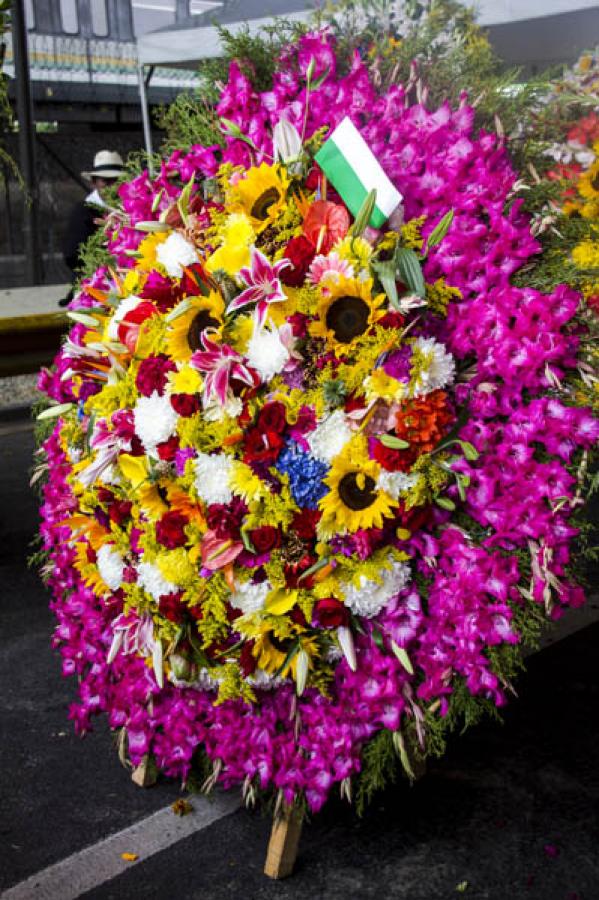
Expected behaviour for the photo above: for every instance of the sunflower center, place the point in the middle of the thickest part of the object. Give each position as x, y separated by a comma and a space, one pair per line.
354, 496
199, 322
347, 317
264, 202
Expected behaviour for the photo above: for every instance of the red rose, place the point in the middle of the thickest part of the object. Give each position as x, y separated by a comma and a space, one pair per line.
185, 405
170, 530
330, 613
104, 495
295, 571
265, 538
392, 319
152, 374
272, 417
262, 446
300, 252
413, 518
167, 449
297, 617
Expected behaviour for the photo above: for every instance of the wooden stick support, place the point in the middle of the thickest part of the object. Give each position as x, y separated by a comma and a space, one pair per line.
283, 845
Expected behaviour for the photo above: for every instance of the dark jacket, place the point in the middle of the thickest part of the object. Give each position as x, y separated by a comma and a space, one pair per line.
80, 227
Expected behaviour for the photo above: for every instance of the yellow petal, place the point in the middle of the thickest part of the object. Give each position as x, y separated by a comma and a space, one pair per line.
134, 468
280, 601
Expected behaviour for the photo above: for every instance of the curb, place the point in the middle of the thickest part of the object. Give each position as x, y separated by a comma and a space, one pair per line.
15, 411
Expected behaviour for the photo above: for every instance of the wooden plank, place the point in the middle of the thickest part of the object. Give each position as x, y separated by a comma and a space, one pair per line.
283, 844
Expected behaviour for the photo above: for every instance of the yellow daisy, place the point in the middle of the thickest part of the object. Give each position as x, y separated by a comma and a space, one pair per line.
183, 336
261, 195
353, 500
346, 311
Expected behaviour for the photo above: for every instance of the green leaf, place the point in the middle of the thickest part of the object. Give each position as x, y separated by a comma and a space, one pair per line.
151, 227
157, 199
445, 503
469, 451
54, 411
461, 887
294, 650
364, 214
385, 272
400, 747
179, 310
403, 658
235, 131
246, 541
377, 637
83, 318
409, 271
394, 443
318, 81
314, 568
440, 230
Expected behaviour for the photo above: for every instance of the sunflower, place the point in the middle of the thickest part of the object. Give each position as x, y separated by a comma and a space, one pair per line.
183, 336
353, 501
588, 183
261, 195
346, 311
275, 657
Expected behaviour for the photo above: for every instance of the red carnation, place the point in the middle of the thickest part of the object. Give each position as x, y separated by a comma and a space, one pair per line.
389, 459
152, 374
167, 449
265, 538
162, 291
272, 417
330, 613
171, 607
185, 405
247, 661
300, 252
170, 530
304, 523
119, 511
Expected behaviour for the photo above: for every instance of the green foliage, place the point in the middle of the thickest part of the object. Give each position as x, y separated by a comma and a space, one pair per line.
191, 119
380, 767
94, 254
6, 116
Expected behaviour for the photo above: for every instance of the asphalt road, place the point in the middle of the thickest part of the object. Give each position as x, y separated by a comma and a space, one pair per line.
511, 812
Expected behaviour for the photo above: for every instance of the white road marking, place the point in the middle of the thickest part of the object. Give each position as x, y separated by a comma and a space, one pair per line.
95, 865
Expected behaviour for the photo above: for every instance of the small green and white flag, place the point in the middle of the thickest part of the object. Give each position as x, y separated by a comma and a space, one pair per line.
354, 171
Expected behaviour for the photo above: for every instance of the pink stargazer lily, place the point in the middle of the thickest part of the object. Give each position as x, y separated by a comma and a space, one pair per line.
263, 284
220, 363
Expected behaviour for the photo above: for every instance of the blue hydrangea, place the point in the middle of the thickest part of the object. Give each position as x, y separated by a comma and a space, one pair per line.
305, 475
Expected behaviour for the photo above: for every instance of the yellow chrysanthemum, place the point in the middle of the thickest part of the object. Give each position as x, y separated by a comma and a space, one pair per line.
146, 260
353, 500
183, 336
586, 254
261, 194
355, 250
346, 311
588, 183
186, 381
237, 235
380, 386
175, 566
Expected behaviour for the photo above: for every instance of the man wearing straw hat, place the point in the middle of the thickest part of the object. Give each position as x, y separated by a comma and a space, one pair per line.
108, 166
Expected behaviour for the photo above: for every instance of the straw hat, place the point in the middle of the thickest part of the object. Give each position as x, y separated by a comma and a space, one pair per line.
106, 165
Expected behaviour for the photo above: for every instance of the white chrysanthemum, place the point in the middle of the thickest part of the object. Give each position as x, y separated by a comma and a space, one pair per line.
174, 253
265, 682
331, 436
216, 412
396, 483
250, 598
440, 370
110, 566
154, 419
212, 477
124, 307
267, 353
151, 579
370, 597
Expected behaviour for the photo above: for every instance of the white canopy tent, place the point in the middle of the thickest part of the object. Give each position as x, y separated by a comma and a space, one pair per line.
532, 33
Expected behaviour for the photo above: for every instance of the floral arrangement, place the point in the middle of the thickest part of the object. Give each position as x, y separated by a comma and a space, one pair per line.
310, 481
